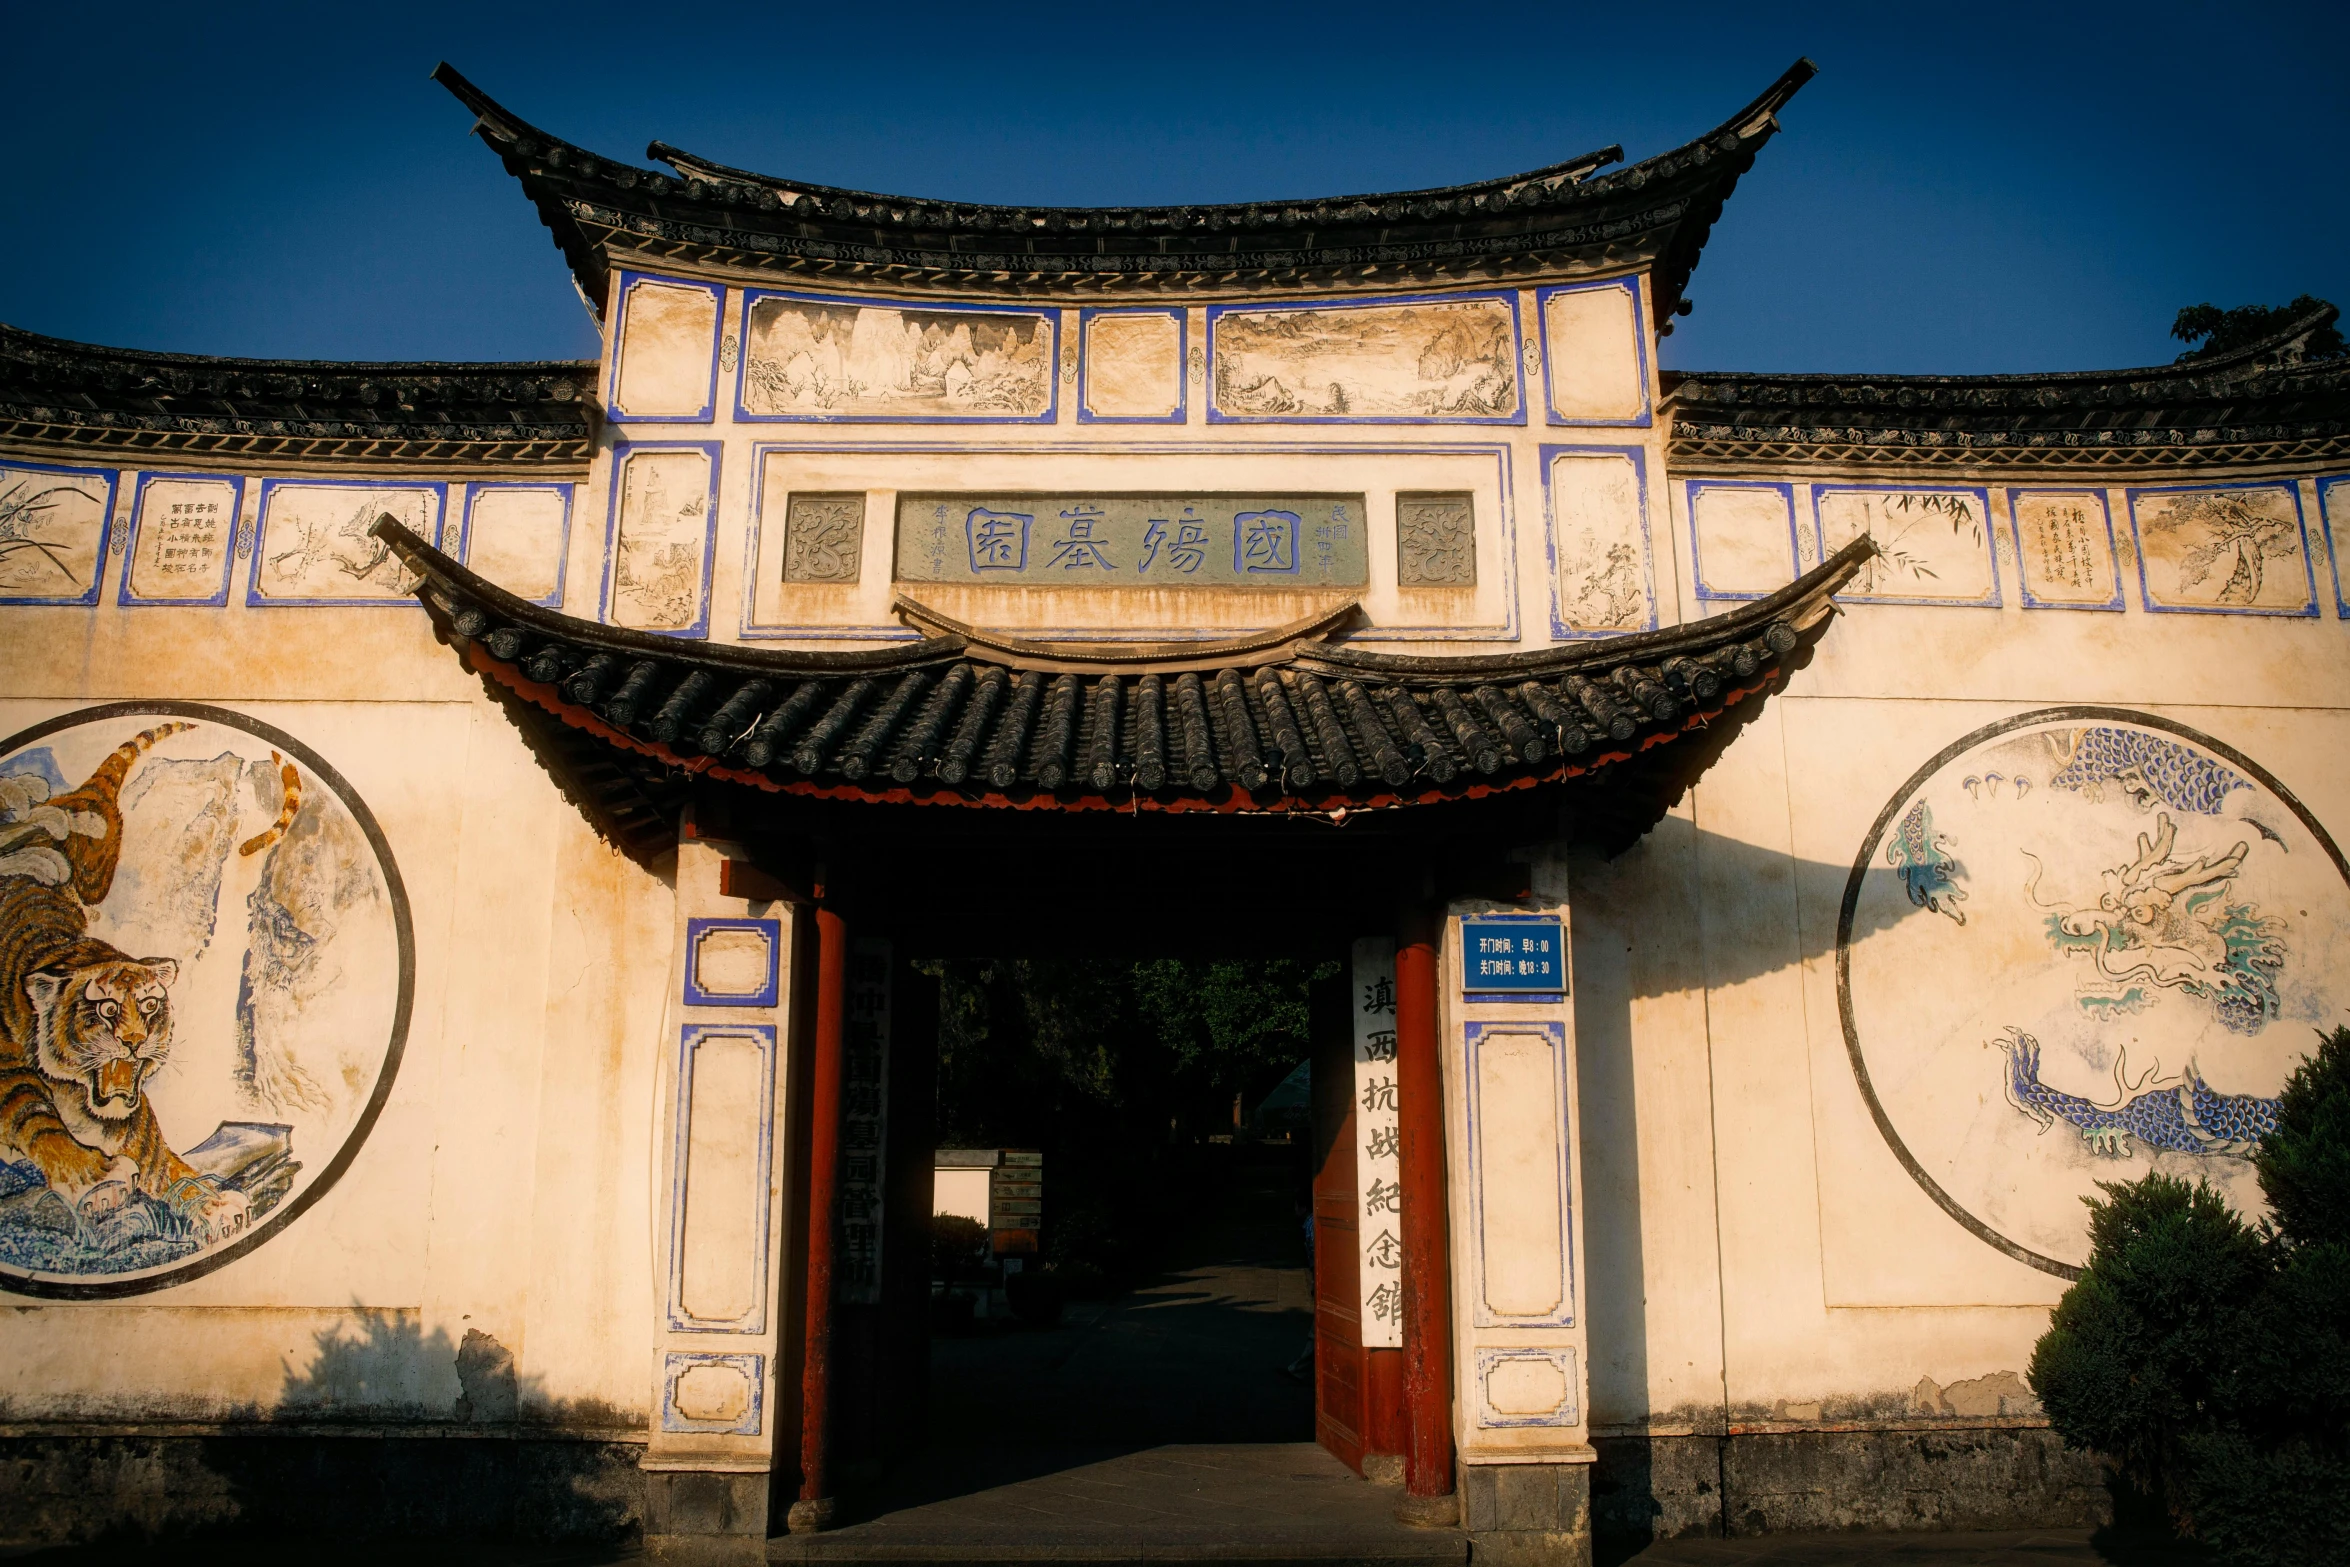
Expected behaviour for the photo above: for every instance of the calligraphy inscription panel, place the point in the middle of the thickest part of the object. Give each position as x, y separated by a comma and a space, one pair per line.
1150, 541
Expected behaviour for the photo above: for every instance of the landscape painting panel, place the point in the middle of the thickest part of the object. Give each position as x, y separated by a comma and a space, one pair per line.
824, 360
1452, 360
661, 540
201, 956
2083, 949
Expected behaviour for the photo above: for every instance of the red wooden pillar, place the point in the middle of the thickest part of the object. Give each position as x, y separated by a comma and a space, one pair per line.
814, 1508
1427, 1261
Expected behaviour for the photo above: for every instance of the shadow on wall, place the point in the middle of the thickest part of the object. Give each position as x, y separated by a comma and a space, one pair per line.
1639, 943
365, 1442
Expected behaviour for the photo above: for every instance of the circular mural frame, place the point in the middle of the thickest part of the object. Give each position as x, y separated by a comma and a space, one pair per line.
1864, 861
49, 1287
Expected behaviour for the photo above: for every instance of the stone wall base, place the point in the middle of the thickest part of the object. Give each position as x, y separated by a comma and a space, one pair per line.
61, 1489
1662, 1487
1527, 1515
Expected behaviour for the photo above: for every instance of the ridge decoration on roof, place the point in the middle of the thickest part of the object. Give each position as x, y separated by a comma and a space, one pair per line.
1564, 219
81, 394
2263, 402
1278, 723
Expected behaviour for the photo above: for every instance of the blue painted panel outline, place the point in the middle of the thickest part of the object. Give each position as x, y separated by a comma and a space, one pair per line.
2015, 532
228, 557
689, 1039
1563, 1357
2300, 521
1505, 484
1085, 320
1049, 314
1550, 537
270, 488
1474, 1036
712, 451
1819, 532
627, 282
2333, 501
764, 996
1630, 285
1517, 359
112, 479
676, 1363
473, 493
1691, 489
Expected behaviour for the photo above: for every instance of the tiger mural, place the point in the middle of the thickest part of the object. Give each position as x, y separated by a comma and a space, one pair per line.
83, 1026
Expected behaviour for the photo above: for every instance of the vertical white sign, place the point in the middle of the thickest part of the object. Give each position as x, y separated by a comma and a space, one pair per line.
1378, 1170
864, 1123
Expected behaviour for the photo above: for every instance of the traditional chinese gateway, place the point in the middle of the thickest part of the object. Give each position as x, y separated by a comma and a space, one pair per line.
1789, 837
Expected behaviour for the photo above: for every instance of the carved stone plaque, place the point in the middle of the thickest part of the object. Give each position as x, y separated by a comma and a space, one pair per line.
1435, 540
824, 538
1146, 541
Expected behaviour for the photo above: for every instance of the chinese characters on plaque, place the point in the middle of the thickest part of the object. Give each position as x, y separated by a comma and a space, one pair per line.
1149, 541
1378, 1170
864, 1123
1513, 957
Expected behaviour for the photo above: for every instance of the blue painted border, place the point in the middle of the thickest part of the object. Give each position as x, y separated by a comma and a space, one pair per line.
256, 599
1049, 314
714, 451
112, 479
228, 556
1085, 319
2300, 519
696, 996
1819, 533
1640, 334
473, 492
1517, 358
626, 282
2015, 533
1505, 487
676, 1363
1473, 1037
1691, 488
1559, 629
689, 1037
2327, 488
1562, 1355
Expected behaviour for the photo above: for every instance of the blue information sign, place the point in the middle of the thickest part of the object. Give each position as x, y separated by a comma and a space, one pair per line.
1519, 958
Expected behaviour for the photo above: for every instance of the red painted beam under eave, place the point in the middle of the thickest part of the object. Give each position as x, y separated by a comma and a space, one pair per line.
814, 1508
1427, 1275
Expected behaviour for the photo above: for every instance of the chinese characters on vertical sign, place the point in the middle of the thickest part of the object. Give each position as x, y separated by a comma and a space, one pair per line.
864, 1123
1378, 1170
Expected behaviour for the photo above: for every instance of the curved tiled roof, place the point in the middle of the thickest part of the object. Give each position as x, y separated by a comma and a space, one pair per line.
1565, 217
2260, 402
1266, 725
81, 394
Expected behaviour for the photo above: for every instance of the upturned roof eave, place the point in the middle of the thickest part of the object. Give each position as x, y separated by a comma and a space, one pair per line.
1654, 213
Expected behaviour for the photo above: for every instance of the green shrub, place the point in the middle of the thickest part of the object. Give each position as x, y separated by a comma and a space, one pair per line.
958, 1245
2211, 1361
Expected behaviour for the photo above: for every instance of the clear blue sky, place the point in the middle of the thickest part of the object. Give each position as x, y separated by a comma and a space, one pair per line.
1963, 189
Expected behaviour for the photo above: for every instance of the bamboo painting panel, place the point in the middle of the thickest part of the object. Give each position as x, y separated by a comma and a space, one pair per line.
1933, 545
